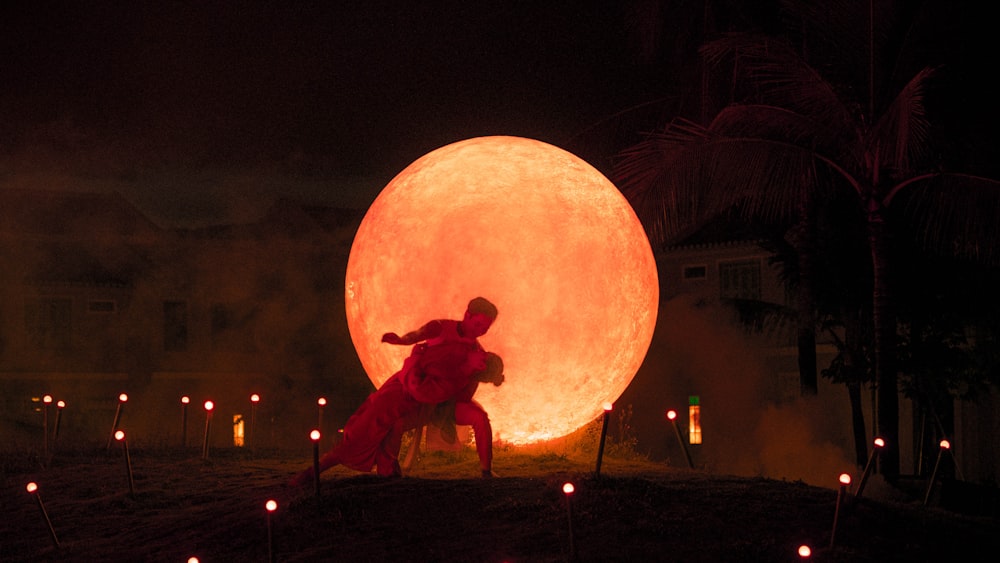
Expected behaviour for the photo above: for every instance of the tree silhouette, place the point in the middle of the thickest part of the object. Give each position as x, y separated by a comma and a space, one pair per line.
800, 132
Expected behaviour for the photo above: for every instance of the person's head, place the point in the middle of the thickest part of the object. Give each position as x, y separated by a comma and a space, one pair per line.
475, 360
479, 316
493, 372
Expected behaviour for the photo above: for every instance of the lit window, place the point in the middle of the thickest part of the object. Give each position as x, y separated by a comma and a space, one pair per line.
238, 434
694, 420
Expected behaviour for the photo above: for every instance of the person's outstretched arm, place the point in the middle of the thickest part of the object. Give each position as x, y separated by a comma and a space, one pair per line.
428, 331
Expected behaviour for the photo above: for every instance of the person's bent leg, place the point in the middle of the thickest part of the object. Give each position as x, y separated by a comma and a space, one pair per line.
472, 414
414, 451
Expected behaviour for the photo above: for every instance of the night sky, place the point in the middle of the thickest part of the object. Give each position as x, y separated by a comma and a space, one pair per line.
204, 114
182, 108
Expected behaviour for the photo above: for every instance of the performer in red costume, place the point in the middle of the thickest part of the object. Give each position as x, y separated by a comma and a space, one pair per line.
462, 409
373, 433
439, 369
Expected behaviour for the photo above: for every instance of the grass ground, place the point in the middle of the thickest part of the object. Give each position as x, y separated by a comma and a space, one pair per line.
183, 506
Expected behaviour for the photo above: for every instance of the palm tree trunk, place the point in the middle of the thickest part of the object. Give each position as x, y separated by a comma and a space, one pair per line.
858, 423
854, 371
803, 236
884, 320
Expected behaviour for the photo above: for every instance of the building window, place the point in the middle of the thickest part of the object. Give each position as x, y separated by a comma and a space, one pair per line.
694, 419
48, 323
739, 280
239, 431
695, 272
101, 306
175, 328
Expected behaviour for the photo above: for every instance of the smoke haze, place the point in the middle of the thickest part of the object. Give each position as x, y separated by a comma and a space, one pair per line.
752, 424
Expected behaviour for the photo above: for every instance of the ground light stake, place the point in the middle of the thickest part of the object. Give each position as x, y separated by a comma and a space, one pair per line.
120, 436
945, 445
254, 399
672, 416
878, 444
46, 401
122, 399
315, 436
270, 506
185, 400
845, 480
209, 405
604, 434
33, 490
320, 403
568, 489
59, 408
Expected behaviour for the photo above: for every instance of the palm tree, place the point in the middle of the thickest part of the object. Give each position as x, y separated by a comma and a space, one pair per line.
795, 139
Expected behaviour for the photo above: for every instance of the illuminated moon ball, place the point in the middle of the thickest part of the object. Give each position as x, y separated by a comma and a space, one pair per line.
540, 233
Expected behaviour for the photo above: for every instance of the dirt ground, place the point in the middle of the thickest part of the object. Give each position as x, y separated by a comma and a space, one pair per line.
182, 505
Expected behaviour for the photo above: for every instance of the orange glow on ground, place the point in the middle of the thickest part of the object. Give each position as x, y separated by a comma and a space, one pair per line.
543, 235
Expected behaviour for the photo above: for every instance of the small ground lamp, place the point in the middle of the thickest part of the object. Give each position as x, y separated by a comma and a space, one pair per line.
120, 436
315, 436
122, 399
945, 445
254, 399
804, 551
33, 491
209, 405
568, 489
845, 480
46, 401
185, 400
60, 405
320, 404
672, 417
877, 446
270, 506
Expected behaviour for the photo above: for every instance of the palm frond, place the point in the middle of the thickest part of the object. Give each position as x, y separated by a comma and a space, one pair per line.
952, 214
774, 321
901, 136
775, 74
678, 178
777, 124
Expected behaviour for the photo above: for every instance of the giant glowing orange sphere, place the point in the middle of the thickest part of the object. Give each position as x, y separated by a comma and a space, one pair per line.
540, 233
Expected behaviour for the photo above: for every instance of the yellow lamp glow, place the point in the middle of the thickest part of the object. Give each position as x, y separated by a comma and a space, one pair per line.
540, 233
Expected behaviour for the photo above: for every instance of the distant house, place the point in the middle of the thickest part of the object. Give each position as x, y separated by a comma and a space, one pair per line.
96, 300
708, 272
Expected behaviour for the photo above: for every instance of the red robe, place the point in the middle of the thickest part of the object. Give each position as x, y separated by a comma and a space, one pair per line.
372, 435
